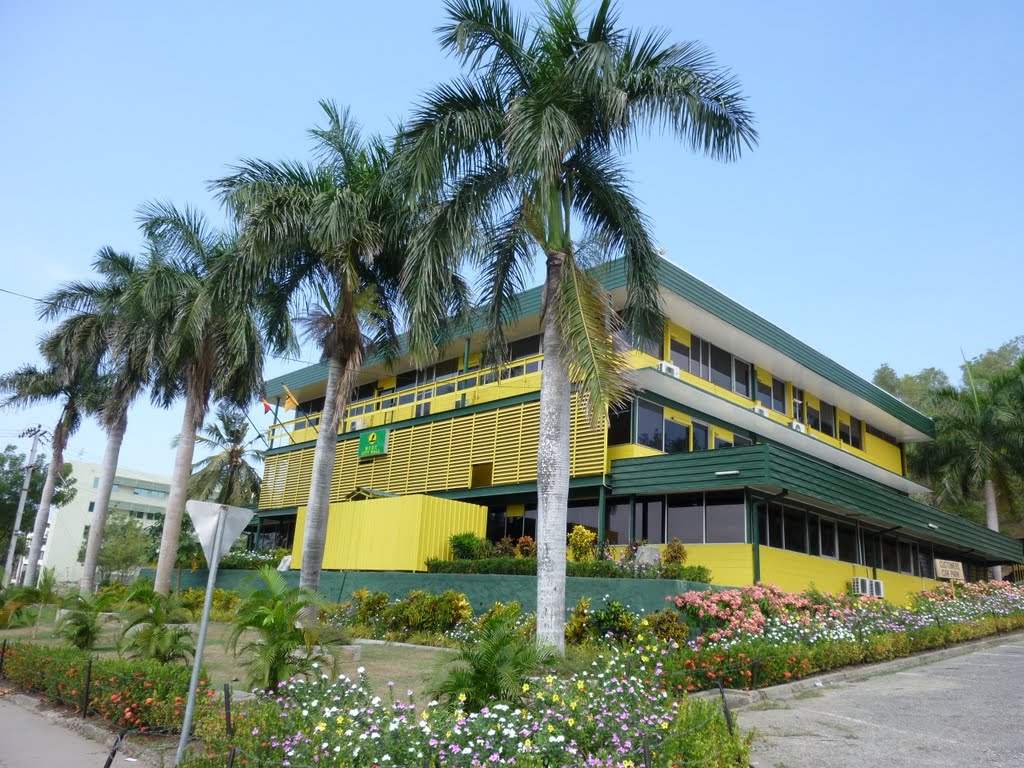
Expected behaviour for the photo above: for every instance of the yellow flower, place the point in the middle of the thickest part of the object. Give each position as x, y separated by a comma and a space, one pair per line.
639, 637
321, 726
549, 679
551, 728
644, 659
527, 743
571, 722
462, 697
664, 725
572, 705
579, 685
644, 623
554, 697
526, 687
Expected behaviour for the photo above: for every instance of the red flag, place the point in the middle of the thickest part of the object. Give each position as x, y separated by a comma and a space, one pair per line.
266, 406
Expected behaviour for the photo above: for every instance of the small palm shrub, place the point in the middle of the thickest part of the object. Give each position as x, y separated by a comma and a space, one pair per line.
281, 642
153, 628
492, 667
81, 623
46, 587
17, 607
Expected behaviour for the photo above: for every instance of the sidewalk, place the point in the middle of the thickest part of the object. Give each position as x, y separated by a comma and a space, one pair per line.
35, 740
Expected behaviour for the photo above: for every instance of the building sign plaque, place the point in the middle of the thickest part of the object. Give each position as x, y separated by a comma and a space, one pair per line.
373, 443
949, 569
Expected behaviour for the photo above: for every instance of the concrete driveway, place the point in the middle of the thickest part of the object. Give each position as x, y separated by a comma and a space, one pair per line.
963, 711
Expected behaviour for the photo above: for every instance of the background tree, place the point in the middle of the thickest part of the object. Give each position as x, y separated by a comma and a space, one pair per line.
992, 362
78, 391
125, 546
914, 389
102, 330
517, 153
211, 343
227, 476
12, 466
329, 239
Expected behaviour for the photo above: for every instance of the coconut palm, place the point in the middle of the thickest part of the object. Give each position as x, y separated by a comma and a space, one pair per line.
512, 156
102, 330
226, 476
79, 391
979, 443
211, 338
330, 239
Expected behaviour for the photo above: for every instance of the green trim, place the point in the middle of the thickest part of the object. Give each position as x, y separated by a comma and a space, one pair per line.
519, 489
602, 511
776, 466
279, 512
440, 416
755, 537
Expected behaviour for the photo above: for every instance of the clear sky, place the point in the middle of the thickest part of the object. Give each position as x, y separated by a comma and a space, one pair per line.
879, 220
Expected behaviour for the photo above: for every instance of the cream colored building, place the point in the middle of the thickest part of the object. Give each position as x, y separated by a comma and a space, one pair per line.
141, 495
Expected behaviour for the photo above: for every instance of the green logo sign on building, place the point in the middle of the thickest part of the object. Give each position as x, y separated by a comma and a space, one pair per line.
373, 443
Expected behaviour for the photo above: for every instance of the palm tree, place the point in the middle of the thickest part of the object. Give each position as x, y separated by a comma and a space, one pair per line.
226, 476
211, 341
510, 156
101, 330
979, 443
79, 392
330, 239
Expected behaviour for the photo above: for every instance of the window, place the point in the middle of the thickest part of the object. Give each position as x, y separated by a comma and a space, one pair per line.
795, 530
906, 557
770, 523
844, 433
685, 518
813, 418
828, 537
422, 409
725, 517
857, 433
481, 475
721, 442
741, 377
95, 482
617, 529
677, 437
890, 554
583, 512
364, 392
876, 432
649, 425
721, 368
813, 535
847, 535
679, 354
653, 346
650, 520
700, 353
772, 395
741, 440
700, 437
527, 347
828, 419
798, 405
92, 506
620, 425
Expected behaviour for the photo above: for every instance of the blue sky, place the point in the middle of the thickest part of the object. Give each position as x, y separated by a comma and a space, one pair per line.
879, 220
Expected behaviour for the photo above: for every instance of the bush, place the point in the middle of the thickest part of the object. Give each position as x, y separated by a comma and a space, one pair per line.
700, 735
674, 553
154, 629
82, 623
581, 543
506, 548
526, 546
469, 546
246, 560
422, 611
607, 569
135, 694
223, 608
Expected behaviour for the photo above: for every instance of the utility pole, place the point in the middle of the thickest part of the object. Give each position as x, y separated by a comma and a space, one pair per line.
9, 562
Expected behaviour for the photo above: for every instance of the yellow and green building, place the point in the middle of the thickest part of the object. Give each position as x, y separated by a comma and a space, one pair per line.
770, 461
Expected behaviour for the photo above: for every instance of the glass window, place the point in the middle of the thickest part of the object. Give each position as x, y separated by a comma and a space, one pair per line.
796, 531
447, 369
778, 395
620, 423
906, 557
828, 537
847, 543
721, 442
871, 549
798, 405
95, 482
700, 437
685, 518
677, 437
582, 512
925, 564
725, 517
405, 379
527, 347
844, 433
700, 354
650, 519
617, 529
890, 554
813, 535
857, 433
813, 418
741, 440
649, 425
828, 419
741, 377
92, 507
721, 367
680, 355
764, 394
775, 526
876, 432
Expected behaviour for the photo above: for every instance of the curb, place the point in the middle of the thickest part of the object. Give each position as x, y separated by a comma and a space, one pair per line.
738, 699
395, 644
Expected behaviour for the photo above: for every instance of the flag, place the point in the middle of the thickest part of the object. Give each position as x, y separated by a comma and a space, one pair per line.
291, 402
266, 406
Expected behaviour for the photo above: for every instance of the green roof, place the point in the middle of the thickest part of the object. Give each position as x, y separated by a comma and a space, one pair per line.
776, 466
682, 283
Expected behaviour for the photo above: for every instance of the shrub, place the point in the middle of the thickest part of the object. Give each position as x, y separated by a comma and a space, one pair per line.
422, 611
700, 735
135, 694
526, 546
607, 569
17, 607
154, 629
246, 560
581, 543
577, 628
506, 548
469, 546
674, 553
82, 623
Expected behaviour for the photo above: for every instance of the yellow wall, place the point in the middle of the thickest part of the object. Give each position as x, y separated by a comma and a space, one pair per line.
437, 456
628, 451
794, 572
730, 564
392, 534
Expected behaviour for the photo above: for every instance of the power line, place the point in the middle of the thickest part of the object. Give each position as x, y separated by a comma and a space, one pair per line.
26, 296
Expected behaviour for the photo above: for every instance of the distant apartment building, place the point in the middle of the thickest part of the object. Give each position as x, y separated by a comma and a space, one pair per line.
140, 495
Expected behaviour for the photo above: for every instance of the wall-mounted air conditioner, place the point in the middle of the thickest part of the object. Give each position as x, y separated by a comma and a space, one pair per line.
870, 587
760, 410
799, 426
356, 424
671, 370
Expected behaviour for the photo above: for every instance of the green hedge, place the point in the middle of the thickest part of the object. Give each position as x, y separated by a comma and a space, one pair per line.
606, 569
133, 694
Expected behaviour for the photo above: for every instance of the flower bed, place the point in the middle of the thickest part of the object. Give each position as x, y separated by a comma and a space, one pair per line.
607, 569
132, 694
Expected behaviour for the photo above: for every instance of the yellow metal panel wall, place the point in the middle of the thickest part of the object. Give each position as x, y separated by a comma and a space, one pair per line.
300, 524
730, 564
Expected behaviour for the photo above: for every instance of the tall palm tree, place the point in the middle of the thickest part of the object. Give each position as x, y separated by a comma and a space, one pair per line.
79, 392
330, 239
211, 340
101, 330
979, 443
226, 476
519, 150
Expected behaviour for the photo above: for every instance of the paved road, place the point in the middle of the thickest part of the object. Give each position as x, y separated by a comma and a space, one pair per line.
30, 740
964, 711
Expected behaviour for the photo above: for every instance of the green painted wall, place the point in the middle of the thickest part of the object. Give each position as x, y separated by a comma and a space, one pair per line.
481, 590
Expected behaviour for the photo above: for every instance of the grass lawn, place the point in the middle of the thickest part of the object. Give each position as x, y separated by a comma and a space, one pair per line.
407, 668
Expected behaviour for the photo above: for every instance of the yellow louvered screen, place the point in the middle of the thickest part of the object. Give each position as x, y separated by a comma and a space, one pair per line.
437, 456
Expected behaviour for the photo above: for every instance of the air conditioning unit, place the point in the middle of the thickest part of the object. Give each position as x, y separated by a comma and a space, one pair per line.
870, 587
799, 426
356, 424
671, 370
760, 410
878, 588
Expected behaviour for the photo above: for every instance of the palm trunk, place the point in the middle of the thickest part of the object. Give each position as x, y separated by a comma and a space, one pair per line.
176, 499
992, 520
340, 379
115, 436
552, 475
43, 514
